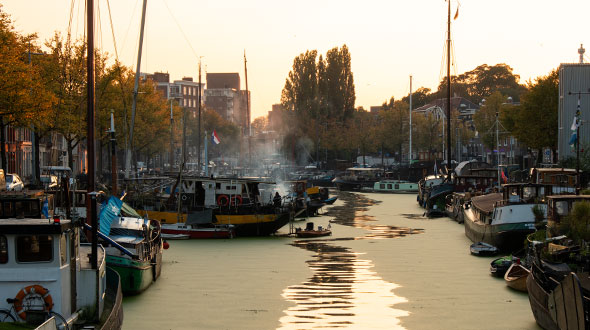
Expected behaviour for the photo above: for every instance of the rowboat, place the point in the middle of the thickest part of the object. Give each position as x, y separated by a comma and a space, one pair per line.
483, 249
310, 232
499, 266
516, 277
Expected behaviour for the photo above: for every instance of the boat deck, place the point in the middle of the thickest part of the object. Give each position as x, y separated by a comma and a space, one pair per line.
486, 203
85, 251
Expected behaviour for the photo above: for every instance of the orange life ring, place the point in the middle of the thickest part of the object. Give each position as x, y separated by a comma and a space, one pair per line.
236, 200
222, 200
32, 290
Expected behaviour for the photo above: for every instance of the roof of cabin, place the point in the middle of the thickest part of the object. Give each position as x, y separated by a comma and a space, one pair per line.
33, 226
486, 202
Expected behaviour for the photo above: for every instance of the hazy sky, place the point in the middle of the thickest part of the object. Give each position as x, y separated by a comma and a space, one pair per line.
388, 40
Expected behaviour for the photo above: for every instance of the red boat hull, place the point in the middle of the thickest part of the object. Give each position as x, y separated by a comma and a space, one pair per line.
202, 232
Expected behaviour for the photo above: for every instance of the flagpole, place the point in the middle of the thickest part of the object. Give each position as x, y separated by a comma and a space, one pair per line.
206, 160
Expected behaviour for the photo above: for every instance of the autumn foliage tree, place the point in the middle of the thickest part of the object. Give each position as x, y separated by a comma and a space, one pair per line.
23, 97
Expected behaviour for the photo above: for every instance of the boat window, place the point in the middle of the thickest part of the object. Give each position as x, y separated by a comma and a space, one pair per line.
8, 209
63, 251
528, 193
561, 207
396, 186
34, 248
389, 186
3, 250
27, 209
382, 186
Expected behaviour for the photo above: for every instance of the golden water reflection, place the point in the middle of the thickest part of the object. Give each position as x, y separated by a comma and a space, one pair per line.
344, 292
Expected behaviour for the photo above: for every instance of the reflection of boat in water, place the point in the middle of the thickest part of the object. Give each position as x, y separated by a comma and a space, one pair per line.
310, 232
341, 282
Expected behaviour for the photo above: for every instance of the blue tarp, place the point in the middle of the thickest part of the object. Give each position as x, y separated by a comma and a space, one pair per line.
108, 213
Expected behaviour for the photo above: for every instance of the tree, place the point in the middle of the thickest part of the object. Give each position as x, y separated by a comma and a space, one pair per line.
536, 123
338, 82
300, 93
485, 119
22, 96
66, 78
484, 80
259, 125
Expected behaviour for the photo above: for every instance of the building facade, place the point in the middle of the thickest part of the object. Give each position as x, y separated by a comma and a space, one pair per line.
574, 84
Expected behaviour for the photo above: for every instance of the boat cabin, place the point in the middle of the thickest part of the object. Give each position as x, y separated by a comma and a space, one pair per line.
559, 207
361, 174
525, 193
564, 180
222, 193
45, 255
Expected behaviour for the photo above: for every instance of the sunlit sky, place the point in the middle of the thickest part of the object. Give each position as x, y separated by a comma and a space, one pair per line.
388, 40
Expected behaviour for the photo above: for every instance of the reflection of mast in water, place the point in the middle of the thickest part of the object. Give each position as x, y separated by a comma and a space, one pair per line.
342, 292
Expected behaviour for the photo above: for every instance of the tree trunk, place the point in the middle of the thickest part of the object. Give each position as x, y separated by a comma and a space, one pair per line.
70, 154
539, 157
3, 145
37, 178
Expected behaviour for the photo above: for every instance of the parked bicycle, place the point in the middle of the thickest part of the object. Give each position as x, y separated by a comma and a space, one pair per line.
29, 305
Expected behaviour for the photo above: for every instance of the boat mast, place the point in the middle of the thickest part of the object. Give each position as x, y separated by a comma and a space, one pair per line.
248, 110
90, 128
498, 148
135, 91
449, 166
90, 141
113, 155
410, 155
199, 129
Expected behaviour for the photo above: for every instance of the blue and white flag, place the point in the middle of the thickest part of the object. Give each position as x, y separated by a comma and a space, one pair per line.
108, 213
45, 209
573, 139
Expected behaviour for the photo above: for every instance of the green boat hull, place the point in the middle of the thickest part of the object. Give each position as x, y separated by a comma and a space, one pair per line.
136, 275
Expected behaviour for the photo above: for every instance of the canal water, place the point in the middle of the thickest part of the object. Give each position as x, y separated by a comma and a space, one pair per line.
384, 267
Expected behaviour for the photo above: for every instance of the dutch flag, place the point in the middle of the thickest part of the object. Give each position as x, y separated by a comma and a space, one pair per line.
215, 138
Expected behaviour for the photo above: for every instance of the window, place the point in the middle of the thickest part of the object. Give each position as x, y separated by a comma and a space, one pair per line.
3, 250
382, 186
389, 186
34, 248
561, 207
8, 210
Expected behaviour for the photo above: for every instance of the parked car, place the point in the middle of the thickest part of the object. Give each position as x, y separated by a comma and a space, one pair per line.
49, 181
14, 182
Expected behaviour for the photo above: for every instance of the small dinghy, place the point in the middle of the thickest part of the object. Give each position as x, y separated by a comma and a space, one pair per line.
499, 266
310, 232
483, 249
516, 277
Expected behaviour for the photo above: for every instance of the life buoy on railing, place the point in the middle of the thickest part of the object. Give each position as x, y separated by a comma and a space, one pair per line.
222, 200
184, 197
32, 290
236, 200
